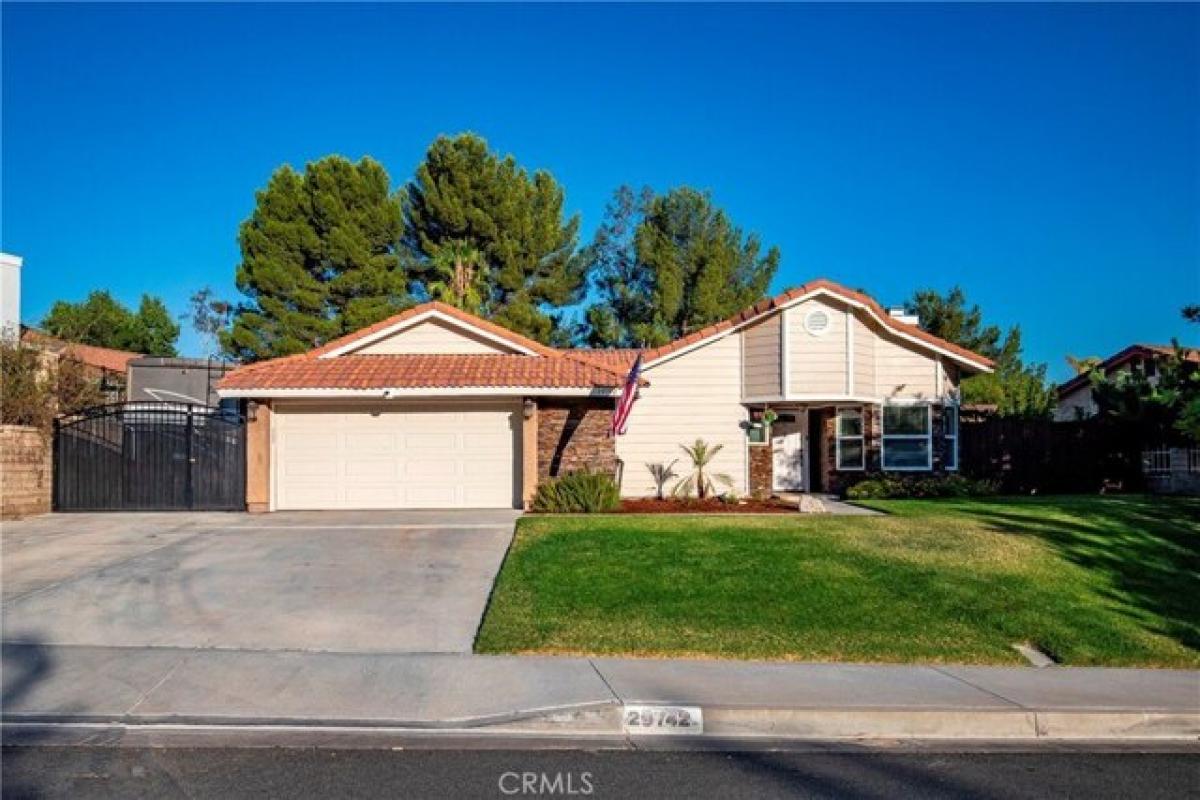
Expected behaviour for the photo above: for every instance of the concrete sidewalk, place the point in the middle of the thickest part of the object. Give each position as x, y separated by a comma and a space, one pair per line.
581, 696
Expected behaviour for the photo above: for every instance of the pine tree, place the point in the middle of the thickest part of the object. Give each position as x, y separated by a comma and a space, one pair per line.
666, 265
463, 192
320, 258
1014, 387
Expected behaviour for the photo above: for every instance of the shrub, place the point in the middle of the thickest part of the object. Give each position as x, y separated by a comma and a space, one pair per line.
701, 455
37, 385
896, 486
583, 492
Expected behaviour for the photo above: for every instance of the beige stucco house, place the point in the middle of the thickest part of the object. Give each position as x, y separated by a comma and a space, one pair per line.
436, 408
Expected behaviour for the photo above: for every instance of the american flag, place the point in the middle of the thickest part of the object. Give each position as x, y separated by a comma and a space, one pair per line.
625, 403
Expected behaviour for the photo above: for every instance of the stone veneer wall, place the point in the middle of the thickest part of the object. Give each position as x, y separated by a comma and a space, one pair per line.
573, 435
26, 471
761, 469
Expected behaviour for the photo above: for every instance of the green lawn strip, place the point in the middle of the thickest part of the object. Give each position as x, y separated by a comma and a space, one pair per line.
1092, 580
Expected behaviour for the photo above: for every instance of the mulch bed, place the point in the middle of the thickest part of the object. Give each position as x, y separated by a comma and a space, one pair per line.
692, 505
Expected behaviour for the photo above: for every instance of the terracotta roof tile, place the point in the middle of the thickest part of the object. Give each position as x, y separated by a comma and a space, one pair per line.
100, 357
421, 371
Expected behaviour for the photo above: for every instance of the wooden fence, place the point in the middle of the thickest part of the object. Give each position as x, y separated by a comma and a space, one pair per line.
1043, 456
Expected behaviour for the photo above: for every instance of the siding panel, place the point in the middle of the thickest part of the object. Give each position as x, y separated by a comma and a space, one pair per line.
901, 371
432, 336
697, 395
818, 363
761, 349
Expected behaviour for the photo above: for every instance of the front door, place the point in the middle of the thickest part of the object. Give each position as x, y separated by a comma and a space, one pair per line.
787, 455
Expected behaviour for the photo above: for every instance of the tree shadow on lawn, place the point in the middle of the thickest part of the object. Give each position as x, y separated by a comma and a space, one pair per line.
1147, 551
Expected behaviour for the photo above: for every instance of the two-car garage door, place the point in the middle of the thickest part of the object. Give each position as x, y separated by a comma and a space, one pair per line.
392, 456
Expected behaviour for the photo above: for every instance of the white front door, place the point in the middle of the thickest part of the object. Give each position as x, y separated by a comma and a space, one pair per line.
787, 468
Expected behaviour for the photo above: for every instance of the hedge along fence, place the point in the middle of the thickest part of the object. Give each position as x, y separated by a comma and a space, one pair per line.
1044, 456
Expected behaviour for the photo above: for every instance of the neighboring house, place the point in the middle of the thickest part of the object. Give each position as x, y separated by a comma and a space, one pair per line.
176, 380
1075, 399
103, 364
434, 407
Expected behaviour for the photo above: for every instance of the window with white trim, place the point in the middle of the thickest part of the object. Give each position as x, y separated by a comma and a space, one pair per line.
908, 437
851, 453
950, 432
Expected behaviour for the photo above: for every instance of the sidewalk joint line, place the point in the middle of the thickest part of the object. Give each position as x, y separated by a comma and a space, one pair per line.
170, 671
604, 680
979, 688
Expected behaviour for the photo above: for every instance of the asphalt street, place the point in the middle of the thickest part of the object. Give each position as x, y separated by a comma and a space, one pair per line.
102, 772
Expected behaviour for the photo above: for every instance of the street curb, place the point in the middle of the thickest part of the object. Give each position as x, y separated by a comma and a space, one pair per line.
603, 721
951, 724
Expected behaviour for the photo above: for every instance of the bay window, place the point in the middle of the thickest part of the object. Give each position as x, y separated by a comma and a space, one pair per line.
850, 450
908, 437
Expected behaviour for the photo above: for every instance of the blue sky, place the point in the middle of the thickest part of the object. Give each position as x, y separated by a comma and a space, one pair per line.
1046, 158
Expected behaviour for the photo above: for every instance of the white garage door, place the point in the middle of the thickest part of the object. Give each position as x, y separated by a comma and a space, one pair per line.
384, 457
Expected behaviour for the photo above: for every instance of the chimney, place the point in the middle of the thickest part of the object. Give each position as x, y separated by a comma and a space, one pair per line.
898, 313
10, 295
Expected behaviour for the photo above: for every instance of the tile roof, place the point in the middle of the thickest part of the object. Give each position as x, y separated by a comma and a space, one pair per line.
548, 368
415, 371
1191, 354
99, 357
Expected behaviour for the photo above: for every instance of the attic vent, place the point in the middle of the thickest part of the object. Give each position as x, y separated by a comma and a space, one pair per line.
816, 322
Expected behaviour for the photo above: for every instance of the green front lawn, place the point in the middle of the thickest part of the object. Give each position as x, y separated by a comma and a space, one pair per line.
1092, 580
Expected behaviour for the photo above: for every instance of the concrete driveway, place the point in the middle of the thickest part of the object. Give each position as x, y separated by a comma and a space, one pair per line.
364, 582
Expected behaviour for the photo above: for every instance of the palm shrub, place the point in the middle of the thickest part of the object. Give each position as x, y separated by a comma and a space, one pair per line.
701, 454
582, 492
662, 474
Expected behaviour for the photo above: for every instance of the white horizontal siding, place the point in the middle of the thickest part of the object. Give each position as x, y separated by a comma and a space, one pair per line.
818, 362
864, 356
431, 336
901, 371
694, 396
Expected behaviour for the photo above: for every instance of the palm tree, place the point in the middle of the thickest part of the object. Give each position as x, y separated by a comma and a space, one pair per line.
661, 474
701, 454
459, 269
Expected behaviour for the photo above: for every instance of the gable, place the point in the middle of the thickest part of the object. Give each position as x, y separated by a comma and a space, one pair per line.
434, 336
823, 347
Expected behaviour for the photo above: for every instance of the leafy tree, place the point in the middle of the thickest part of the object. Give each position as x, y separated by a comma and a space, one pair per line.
457, 276
103, 321
1016, 389
320, 258
1154, 406
1084, 364
1191, 313
463, 192
210, 317
665, 265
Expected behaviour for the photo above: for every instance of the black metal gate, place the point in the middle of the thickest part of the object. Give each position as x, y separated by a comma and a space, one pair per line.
144, 456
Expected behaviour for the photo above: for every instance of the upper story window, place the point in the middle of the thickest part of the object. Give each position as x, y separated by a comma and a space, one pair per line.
908, 437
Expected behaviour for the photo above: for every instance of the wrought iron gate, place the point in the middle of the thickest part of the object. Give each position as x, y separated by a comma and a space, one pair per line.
144, 456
